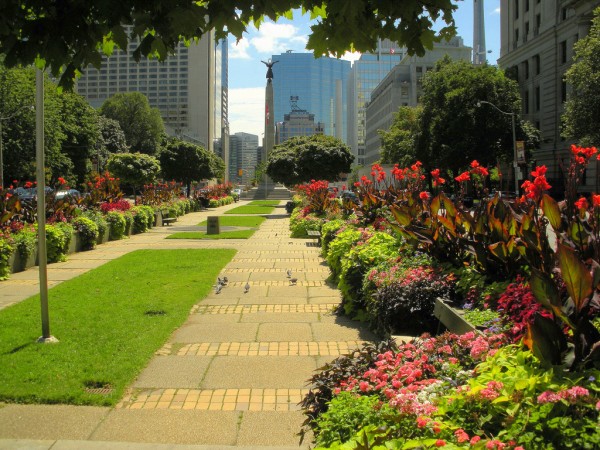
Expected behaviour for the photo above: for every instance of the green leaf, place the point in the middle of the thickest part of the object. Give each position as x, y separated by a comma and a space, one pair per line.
546, 340
546, 292
577, 278
551, 211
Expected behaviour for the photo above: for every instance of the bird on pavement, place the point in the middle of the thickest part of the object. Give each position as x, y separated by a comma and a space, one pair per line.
289, 273
218, 288
219, 281
225, 281
246, 287
293, 281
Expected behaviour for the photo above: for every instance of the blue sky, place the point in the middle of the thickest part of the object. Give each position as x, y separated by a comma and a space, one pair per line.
247, 73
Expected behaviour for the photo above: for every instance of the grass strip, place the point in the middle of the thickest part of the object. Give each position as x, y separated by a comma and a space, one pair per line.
234, 234
237, 221
110, 322
264, 203
249, 209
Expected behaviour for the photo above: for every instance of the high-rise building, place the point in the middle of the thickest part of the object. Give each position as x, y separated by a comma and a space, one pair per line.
537, 40
189, 88
402, 87
243, 152
298, 122
366, 74
314, 81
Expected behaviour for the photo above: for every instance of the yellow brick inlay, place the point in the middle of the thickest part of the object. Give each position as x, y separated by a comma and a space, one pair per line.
245, 309
216, 399
301, 348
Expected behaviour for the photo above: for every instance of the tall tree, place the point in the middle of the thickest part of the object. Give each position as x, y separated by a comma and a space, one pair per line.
454, 130
69, 35
134, 169
398, 143
185, 162
142, 125
304, 158
582, 111
79, 123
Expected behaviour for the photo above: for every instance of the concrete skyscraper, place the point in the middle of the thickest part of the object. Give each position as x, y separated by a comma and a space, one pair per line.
479, 50
189, 88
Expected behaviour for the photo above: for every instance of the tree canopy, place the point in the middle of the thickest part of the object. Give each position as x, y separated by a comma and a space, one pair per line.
398, 143
134, 169
301, 159
453, 129
69, 35
185, 162
582, 111
142, 125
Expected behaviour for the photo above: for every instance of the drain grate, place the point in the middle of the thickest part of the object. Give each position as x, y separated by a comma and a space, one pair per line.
155, 312
99, 391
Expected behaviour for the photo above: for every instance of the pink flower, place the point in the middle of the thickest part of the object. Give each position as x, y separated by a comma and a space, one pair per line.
461, 435
364, 386
474, 440
422, 422
440, 443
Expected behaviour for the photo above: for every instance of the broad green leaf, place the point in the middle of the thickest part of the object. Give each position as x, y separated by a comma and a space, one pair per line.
448, 225
499, 250
119, 36
575, 274
545, 291
435, 205
551, 211
449, 206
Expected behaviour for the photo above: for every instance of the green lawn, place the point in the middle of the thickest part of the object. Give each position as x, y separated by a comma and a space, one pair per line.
110, 321
242, 221
255, 207
235, 234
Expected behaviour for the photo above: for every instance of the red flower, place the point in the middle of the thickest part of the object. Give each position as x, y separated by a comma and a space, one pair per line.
465, 176
596, 200
61, 180
437, 180
440, 443
474, 164
424, 196
28, 184
582, 203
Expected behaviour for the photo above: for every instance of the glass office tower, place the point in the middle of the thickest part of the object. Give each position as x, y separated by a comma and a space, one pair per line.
313, 81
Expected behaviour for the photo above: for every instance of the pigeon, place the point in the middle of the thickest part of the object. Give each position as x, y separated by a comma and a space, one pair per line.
246, 287
218, 288
219, 281
293, 281
289, 273
225, 281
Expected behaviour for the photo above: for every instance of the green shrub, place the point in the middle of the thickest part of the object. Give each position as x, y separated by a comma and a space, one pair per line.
140, 219
116, 225
58, 237
328, 233
341, 245
213, 203
88, 232
348, 413
356, 263
100, 221
24, 242
128, 215
6, 249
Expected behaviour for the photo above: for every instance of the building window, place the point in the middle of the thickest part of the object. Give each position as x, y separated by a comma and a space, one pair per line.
563, 91
538, 24
526, 32
526, 69
526, 102
516, 9
526, 5
563, 52
537, 98
563, 13
536, 64
516, 36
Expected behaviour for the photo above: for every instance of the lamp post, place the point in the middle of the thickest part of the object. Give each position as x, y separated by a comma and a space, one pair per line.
10, 116
514, 139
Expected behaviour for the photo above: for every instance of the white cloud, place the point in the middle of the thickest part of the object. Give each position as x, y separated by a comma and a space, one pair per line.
497, 10
274, 38
246, 111
239, 50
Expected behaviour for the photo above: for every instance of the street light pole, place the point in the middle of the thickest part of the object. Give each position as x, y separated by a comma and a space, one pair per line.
514, 139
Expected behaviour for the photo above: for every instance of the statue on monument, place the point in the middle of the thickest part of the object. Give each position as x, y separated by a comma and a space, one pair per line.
269, 65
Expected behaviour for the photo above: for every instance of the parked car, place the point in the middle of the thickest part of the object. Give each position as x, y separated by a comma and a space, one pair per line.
29, 194
348, 195
74, 193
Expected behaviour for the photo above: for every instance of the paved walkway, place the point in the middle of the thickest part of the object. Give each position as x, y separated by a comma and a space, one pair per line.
232, 375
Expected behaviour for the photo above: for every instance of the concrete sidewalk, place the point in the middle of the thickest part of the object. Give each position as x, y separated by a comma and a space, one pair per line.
233, 374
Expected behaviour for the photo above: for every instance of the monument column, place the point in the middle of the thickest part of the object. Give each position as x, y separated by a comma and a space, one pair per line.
269, 140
